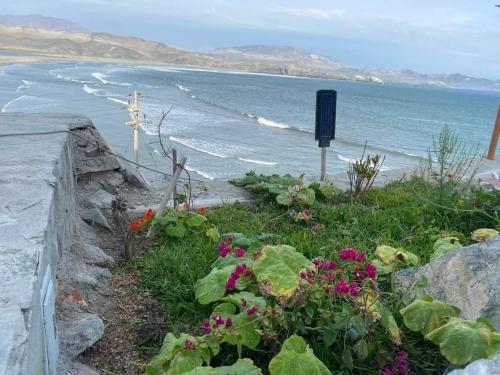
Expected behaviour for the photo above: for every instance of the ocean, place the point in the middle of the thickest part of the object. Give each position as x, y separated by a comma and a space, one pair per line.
227, 123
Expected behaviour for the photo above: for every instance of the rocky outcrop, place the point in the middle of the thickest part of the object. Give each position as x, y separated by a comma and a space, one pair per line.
481, 367
468, 278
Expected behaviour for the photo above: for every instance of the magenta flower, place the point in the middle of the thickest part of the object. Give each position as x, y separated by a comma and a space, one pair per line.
243, 302
330, 264
229, 323
302, 275
188, 345
353, 289
402, 368
239, 252
342, 287
360, 257
349, 253
386, 371
401, 356
240, 268
307, 213
224, 249
251, 311
230, 239
205, 326
358, 274
371, 270
218, 320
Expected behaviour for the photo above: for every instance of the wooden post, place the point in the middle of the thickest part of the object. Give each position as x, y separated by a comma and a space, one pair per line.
174, 167
494, 138
170, 190
323, 164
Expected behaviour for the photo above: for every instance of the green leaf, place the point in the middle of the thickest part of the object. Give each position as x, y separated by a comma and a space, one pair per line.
242, 366
195, 220
361, 349
389, 323
328, 190
177, 231
296, 358
280, 267
425, 315
389, 255
285, 198
462, 341
347, 358
173, 359
484, 234
252, 300
306, 196
444, 245
382, 269
213, 234
212, 287
330, 333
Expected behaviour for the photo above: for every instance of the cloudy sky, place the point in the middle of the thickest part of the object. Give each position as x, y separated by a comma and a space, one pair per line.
430, 36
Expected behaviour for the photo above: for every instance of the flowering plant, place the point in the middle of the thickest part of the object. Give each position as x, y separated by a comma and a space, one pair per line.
272, 299
178, 224
142, 222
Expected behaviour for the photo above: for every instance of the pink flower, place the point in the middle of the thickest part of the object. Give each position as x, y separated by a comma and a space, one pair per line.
243, 302
224, 249
330, 264
358, 274
371, 270
401, 357
205, 326
251, 311
218, 320
302, 275
342, 287
360, 257
386, 371
239, 252
229, 323
349, 253
353, 289
402, 368
188, 345
318, 263
307, 213
230, 239
240, 268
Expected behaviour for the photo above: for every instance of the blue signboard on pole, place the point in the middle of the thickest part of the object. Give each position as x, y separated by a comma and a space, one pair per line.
326, 111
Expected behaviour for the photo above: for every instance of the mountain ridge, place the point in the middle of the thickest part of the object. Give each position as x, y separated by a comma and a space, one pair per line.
271, 59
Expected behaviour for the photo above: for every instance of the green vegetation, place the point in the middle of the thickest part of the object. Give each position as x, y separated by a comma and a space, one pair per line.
401, 225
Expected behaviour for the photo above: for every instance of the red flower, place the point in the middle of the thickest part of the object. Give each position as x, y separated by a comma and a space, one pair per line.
136, 224
251, 311
148, 215
202, 210
188, 345
371, 270
185, 205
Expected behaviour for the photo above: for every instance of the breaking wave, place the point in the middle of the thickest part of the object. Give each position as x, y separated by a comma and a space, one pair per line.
182, 88
203, 147
260, 162
209, 176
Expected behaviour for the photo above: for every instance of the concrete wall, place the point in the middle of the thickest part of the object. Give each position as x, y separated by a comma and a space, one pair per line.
37, 222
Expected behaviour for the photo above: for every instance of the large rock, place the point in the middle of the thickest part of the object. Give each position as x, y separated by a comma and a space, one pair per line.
94, 216
468, 278
79, 334
100, 198
481, 367
97, 164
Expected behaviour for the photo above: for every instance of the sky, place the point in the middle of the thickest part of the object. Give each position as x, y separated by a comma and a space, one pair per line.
428, 36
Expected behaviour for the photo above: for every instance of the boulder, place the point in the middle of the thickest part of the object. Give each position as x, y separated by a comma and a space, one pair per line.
480, 367
468, 278
133, 176
94, 255
100, 199
97, 164
94, 216
79, 334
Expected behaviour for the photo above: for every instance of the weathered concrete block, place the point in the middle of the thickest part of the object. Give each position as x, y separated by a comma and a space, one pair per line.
481, 367
468, 278
98, 164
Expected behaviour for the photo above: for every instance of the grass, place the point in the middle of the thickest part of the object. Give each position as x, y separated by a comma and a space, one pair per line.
401, 215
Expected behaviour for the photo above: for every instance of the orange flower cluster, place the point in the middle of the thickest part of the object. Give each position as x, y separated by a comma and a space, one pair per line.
202, 210
139, 223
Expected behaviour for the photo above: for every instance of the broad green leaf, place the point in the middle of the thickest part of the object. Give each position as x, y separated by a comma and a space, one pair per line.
368, 301
389, 255
212, 287
280, 267
285, 198
177, 231
361, 349
328, 190
382, 269
389, 323
425, 315
463, 341
306, 196
213, 234
245, 328
296, 358
242, 366
330, 333
246, 242
195, 220
481, 235
444, 245
250, 298
225, 310
173, 359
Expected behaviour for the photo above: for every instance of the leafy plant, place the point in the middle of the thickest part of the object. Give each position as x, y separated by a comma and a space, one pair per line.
363, 172
484, 234
388, 257
178, 224
445, 245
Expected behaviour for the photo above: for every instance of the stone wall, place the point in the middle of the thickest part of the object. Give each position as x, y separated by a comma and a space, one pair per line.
37, 223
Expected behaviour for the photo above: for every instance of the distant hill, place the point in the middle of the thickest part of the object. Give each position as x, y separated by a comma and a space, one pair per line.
42, 22
54, 40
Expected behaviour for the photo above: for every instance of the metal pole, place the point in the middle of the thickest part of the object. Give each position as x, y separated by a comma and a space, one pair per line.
494, 138
174, 167
323, 164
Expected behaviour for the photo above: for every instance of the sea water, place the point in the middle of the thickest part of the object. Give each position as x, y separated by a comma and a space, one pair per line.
227, 123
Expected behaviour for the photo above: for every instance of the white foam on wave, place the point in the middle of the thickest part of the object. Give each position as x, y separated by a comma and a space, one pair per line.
203, 147
426, 120
25, 85
6, 106
201, 173
343, 158
248, 114
91, 90
182, 88
102, 78
118, 101
260, 162
271, 123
